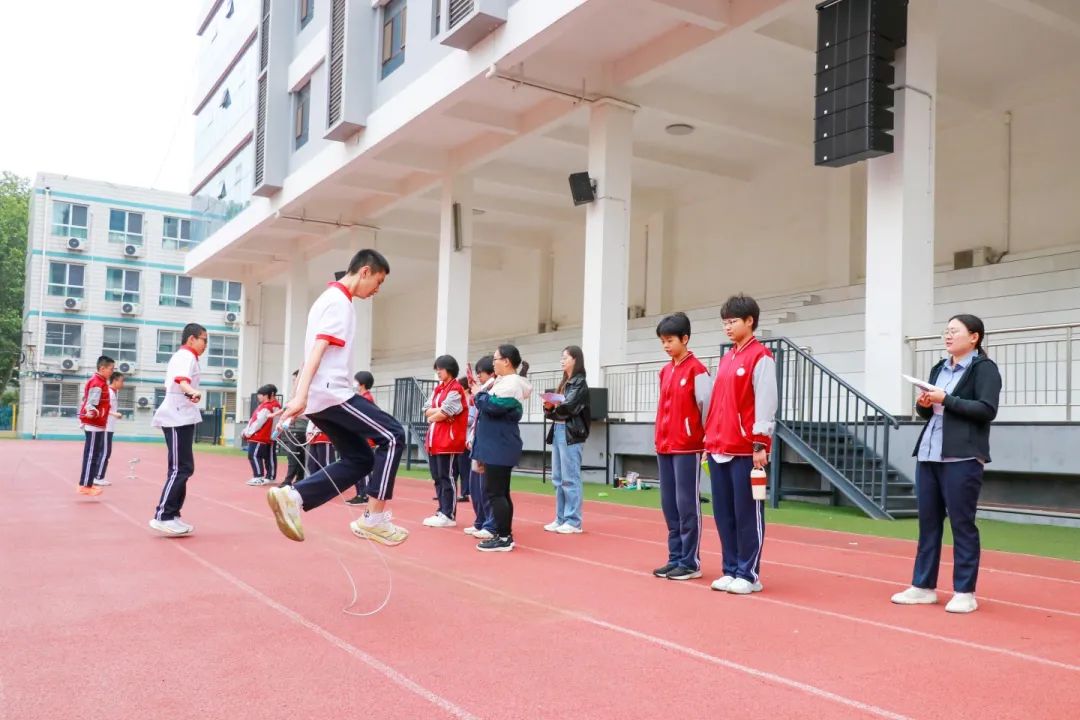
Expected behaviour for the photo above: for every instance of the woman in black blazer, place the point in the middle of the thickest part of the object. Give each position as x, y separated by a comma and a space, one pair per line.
952, 449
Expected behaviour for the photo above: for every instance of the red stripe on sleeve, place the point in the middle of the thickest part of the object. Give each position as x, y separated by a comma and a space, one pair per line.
182, 379
337, 342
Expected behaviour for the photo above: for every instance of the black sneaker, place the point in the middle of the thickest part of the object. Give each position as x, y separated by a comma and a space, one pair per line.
663, 571
463, 498
683, 573
497, 544
357, 500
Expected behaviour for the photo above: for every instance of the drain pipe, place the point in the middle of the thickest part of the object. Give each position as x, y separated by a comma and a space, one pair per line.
1008, 185
39, 340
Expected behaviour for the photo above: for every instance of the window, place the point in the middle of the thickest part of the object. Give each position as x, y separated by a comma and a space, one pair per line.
225, 296
436, 17
307, 10
125, 227
176, 234
121, 343
70, 220
60, 400
224, 400
125, 402
168, 342
230, 9
175, 291
122, 285
66, 279
393, 36
300, 116
159, 396
223, 351
63, 339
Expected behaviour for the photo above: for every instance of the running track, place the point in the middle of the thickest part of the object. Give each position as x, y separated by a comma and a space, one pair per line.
102, 619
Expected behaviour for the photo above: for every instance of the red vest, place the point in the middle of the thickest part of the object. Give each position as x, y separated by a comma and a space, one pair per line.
448, 437
263, 434
729, 424
102, 417
678, 420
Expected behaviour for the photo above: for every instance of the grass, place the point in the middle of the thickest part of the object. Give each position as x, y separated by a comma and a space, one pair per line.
1045, 540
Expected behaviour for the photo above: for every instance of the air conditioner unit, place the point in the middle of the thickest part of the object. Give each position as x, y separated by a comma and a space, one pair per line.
228, 374
69, 364
232, 318
126, 367
73, 304
144, 402
974, 257
467, 22
133, 250
130, 308
76, 244
635, 312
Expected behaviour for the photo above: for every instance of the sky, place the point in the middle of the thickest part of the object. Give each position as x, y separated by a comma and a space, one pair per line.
100, 89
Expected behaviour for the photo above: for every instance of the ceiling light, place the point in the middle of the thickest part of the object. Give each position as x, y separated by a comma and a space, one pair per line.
679, 129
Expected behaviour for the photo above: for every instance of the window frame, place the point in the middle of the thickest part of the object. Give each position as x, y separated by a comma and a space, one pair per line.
175, 298
67, 289
126, 401
122, 294
392, 56
120, 352
218, 355
301, 115
60, 409
178, 242
127, 236
70, 229
68, 347
225, 303
168, 354
306, 11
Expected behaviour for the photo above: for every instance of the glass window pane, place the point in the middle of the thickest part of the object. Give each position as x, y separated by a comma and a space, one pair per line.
131, 281
184, 286
170, 228
75, 275
116, 220
234, 291
78, 215
57, 273
135, 223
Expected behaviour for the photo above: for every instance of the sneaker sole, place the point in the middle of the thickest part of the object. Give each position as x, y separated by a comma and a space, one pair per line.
164, 532
283, 524
914, 602
691, 576
751, 591
365, 535
506, 548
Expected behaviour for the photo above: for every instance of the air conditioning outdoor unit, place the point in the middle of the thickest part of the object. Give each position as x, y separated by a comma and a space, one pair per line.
73, 304
69, 364
232, 318
133, 250
228, 374
77, 244
144, 402
130, 308
126, 367
467, 22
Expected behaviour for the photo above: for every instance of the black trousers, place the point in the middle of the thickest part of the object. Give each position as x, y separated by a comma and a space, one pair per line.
93, 454
497, 487
179, 441
442, 468
319, 455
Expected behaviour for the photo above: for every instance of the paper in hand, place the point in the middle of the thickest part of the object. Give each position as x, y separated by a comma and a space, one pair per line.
921, 384
553, 398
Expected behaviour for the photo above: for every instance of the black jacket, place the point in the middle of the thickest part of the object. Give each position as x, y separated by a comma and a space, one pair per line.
574, 411
969, 410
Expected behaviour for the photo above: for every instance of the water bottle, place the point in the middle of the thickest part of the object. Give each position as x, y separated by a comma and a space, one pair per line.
759, 482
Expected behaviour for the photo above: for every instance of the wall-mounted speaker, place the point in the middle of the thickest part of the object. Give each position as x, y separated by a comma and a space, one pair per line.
582, 188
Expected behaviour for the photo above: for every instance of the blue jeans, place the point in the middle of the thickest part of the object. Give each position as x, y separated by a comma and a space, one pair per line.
485, 520
566, 478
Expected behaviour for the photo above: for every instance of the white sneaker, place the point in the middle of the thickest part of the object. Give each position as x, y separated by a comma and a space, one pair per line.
286, 512
439, 520
915, 596
739, 586
470, 530
256, 481
381, 531
183, 523
567, 529
483, 534
102, 482
553, 526
722, 584
962, 603
169, 528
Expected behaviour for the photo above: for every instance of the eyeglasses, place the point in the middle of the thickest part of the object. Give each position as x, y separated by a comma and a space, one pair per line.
731, 321
951, 332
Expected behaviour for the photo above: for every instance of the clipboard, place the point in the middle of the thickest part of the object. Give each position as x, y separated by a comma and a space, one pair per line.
921, 384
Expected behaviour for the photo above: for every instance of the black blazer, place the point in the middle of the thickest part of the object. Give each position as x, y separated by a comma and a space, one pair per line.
574, 411
969, 410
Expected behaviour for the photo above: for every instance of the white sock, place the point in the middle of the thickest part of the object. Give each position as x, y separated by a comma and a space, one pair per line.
371, 518
295, 496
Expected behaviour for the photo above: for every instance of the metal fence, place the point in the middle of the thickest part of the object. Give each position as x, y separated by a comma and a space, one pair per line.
1038, 367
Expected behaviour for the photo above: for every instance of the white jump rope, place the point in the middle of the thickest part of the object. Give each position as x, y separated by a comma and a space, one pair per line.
284, 425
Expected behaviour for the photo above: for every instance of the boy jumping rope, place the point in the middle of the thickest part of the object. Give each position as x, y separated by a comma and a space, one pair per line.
94, 416
325, 394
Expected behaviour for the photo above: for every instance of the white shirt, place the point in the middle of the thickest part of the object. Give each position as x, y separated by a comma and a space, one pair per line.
332, 318
110, 424
177, 410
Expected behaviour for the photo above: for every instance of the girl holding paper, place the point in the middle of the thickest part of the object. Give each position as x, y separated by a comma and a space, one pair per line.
570, 419
952, 450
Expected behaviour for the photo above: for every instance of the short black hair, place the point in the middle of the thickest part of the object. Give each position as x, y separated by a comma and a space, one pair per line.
116, 376
463, 381
191, 330
741, 307
511, 353
105, 361
674, 325
365, 378
269, 390
486, 364
447, 363
369, 258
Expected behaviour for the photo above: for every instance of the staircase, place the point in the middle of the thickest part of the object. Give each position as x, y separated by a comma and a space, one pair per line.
839, 432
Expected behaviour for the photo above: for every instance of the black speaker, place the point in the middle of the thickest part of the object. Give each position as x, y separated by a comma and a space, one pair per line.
856, 47
598, 403
582, 188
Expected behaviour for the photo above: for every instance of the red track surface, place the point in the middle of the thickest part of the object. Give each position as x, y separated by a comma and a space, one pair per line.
101, 618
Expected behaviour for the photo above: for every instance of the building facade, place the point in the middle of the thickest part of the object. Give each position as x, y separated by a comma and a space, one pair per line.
105, 276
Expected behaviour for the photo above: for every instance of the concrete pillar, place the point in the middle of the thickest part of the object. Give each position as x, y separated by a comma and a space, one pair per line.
839, 231
655, 261
296, 310
364, 328
607, 238
250, 370
453, 293
900, 220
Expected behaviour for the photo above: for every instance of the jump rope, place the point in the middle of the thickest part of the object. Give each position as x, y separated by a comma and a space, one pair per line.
284, 426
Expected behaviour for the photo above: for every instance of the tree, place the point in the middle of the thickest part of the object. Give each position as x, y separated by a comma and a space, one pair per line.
14, 217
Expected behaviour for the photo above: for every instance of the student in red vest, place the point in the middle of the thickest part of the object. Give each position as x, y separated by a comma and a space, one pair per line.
94, 416
320, 451
680, 440
448, 416
262, 450
738, 436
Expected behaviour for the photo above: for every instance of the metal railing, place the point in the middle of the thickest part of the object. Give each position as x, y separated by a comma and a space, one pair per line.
1038, 366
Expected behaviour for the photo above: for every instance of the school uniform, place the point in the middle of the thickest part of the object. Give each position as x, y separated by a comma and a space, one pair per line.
680, 440
446, 441
348, 419
262, 448
498, 445
178, 416
110, 428
484, 518
742, 411
320, 451
94, 416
